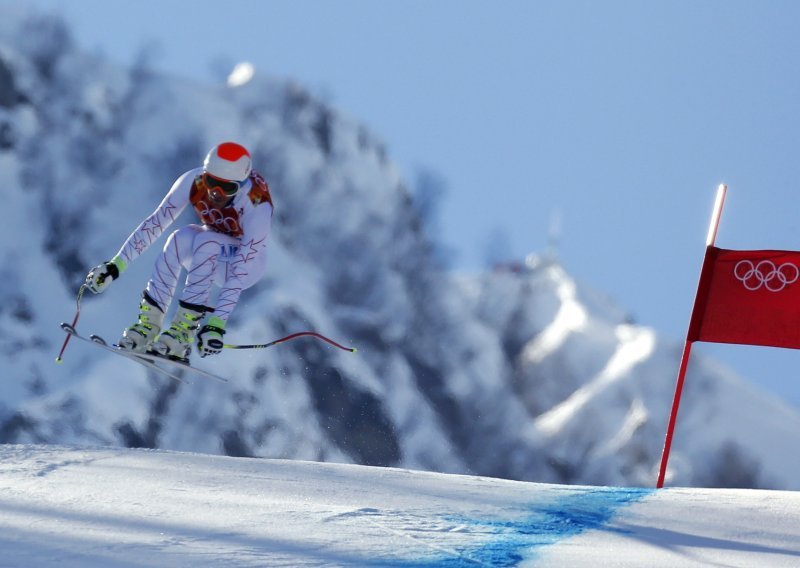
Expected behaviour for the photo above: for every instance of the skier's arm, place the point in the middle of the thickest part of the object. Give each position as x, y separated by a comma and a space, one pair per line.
157, 222
250, 262
145, 234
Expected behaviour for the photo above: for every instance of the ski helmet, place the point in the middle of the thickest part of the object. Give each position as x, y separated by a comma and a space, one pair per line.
228, 161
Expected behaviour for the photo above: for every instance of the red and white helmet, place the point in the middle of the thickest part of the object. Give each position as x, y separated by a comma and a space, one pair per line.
228, 161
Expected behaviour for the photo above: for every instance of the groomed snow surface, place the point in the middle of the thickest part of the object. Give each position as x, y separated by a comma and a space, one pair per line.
93, 507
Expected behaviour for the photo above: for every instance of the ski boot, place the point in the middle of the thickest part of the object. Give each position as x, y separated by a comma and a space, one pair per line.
176, 342
140, 335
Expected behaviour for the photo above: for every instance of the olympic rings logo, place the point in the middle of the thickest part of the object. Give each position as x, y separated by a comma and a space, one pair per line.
765, 273
215, 217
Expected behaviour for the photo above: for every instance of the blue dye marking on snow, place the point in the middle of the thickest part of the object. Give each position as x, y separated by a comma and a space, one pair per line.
510, 542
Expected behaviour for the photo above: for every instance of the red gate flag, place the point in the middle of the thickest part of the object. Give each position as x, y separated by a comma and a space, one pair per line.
748, 297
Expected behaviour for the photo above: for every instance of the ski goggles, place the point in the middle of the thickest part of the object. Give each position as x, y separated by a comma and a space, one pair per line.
229, 188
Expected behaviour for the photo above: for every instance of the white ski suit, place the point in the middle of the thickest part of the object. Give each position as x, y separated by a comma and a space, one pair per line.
227, 248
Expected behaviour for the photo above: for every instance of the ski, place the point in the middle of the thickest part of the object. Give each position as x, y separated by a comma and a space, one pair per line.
145, 359
100, 342
152, 358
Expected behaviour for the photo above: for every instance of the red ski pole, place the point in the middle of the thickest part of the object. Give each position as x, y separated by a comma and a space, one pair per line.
74, 323
289, 338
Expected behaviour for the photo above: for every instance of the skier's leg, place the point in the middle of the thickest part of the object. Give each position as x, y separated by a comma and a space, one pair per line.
177, 254
232, 279
160, 289
203, 272
205, 267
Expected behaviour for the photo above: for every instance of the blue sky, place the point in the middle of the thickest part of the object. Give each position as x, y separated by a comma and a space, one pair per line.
619, 117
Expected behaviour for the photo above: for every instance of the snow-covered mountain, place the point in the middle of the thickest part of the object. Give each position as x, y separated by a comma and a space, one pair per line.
525, 374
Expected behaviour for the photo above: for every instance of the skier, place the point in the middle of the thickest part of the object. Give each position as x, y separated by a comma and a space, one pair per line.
227, 249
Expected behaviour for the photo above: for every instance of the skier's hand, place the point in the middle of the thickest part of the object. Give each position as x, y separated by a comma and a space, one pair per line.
209, 340
104, 274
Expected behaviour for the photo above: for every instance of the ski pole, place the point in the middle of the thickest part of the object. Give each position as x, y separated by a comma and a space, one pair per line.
289, 338
74, 323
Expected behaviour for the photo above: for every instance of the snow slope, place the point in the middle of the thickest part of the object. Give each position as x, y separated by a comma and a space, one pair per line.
93, 507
